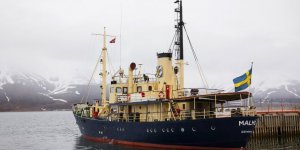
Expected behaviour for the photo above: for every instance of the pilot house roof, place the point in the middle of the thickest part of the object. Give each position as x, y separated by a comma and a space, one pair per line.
219, 97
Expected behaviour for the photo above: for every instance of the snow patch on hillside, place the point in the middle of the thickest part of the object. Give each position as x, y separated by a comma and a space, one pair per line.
7, 98
268, 95
5, 78
55, 99
61, 88
287, 89
77, 93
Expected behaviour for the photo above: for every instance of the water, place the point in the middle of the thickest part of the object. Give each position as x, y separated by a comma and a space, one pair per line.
45, 131
58, 131
275, 143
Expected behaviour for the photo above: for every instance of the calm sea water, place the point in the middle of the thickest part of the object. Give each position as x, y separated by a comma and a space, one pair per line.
58, 131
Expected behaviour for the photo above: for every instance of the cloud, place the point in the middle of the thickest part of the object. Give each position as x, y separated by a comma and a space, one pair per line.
54, 37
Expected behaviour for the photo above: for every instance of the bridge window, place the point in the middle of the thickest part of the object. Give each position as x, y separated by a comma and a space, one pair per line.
118, 90
139, 89
125, 90
183, 106
149, 88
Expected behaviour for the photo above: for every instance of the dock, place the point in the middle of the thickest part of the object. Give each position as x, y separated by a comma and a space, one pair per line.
284, 122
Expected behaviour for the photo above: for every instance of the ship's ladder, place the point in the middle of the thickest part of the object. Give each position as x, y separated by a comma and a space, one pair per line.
175, 111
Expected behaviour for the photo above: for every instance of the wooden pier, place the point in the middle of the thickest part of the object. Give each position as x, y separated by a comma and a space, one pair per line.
277, 123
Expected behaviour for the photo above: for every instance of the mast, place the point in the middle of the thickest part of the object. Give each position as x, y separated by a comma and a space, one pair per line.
179, 44
180, 24
103, 73
179, 30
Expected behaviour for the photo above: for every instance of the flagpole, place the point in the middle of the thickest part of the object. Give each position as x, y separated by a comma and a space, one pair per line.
250, 86
248, 102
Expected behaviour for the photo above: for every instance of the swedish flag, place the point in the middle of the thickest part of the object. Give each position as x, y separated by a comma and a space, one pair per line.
243, 81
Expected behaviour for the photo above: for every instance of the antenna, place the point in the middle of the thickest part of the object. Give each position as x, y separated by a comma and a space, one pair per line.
121, 35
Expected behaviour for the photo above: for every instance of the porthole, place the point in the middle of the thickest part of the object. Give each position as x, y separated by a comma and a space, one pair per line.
172, 130
213, 127
194, 129
182, 129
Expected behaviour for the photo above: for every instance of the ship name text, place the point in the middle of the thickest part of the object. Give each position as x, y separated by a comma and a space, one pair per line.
247, 123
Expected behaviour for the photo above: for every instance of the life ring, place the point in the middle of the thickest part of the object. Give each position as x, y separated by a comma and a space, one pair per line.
161, 95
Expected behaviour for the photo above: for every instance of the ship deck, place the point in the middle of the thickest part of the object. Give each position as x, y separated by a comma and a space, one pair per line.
218, 98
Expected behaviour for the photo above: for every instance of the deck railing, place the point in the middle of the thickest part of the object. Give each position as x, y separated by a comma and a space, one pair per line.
168, 115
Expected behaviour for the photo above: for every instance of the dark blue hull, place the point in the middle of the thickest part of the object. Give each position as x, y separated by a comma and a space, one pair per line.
231, 132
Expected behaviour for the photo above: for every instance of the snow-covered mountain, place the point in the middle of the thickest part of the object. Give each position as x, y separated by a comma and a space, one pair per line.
288, 92
27, 91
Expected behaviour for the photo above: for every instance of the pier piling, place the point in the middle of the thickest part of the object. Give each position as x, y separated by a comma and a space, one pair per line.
274, 123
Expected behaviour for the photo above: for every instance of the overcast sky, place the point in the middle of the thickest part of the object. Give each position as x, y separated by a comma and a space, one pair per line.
53, 37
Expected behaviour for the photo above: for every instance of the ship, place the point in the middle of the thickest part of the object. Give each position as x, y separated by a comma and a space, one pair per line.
157, 111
